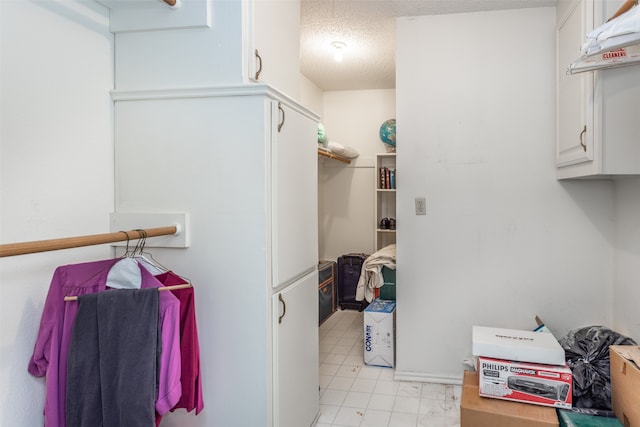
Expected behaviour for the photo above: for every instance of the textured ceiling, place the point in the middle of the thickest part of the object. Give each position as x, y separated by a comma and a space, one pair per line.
368, 29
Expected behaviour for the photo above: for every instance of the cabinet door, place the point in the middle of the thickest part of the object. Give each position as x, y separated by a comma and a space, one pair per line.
575, 130
294, 195
276, 38
296, 396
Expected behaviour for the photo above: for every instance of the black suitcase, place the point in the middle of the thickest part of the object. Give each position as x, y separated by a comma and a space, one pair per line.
349, 268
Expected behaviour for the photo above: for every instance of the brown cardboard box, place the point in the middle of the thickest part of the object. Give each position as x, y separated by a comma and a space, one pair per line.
625, 384
476, 411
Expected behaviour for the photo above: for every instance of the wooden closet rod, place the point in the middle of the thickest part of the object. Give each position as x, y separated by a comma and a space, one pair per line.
161, 288
11, 249
333, 156
623, 9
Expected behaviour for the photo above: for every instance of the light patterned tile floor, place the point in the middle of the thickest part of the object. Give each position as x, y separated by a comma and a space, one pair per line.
356, 395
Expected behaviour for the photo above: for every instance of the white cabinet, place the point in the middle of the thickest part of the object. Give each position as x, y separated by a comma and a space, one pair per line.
296, 343
575, 92
204, 43
242, 162
295, 211
598, 126
274, 48
385, 199
197, 131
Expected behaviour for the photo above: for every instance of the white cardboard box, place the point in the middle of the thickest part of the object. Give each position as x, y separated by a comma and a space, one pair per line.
379, 333
547, 385
522, 346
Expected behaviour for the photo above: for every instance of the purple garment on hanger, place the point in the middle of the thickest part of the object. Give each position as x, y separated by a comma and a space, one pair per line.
49, 357
191, 377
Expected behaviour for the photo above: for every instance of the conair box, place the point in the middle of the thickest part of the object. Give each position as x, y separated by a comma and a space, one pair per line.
547, 385
379, 333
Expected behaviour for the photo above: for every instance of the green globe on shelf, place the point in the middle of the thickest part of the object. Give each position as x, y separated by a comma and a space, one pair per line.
388, 134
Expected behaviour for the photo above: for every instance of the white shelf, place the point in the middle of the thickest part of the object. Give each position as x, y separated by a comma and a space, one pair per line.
385, 200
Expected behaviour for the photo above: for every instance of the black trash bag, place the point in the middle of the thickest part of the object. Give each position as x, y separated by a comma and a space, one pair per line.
587, 354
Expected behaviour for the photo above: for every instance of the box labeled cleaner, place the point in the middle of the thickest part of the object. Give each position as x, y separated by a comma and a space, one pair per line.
379, 333
547, 385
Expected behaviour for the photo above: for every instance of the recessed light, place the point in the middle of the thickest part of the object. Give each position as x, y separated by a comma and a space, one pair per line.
338, 48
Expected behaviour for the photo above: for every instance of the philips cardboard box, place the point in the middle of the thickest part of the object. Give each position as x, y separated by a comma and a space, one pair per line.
625, 383
512, 344
379, 333
547, 385
477, 411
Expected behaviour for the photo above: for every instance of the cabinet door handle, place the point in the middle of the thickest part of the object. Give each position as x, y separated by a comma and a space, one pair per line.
284, 308
259, 70
584, 146
282, 121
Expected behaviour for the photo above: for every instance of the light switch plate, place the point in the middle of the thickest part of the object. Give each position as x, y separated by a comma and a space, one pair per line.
421, 206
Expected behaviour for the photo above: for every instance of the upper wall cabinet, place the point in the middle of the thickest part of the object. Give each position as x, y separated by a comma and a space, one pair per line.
274, 47
575, 92
202, 43
153, 15
598, 127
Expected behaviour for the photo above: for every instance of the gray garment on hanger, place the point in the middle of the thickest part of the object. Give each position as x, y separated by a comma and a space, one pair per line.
112, 364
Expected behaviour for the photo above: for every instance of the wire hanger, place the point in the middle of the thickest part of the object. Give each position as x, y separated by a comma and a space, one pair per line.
147, 259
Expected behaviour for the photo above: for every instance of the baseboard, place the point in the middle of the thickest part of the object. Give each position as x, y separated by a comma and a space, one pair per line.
424, 377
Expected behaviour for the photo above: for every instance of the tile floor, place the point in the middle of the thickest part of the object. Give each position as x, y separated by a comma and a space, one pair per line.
354, 394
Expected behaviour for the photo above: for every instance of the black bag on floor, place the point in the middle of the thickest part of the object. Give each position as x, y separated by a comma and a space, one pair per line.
349, 268
587, 353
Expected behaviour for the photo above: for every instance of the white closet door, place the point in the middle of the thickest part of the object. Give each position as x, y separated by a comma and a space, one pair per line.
295, 333
294, 195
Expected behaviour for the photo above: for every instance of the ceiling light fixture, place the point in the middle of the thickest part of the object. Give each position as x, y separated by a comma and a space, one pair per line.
338, 48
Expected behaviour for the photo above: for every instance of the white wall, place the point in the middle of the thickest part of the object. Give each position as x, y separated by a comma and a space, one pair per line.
346, 192
56, 168
626, 291
311, 96
502, 240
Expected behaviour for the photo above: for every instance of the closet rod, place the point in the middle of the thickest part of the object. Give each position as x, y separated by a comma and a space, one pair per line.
333, 156
11, 249
161, 288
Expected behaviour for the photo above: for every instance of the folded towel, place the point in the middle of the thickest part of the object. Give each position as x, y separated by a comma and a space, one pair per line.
371, 274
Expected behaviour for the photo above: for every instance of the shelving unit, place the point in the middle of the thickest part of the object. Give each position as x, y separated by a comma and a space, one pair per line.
385, 199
